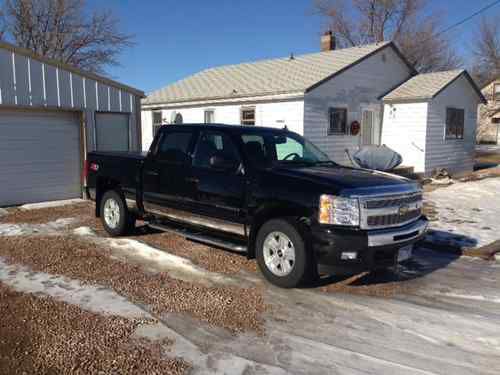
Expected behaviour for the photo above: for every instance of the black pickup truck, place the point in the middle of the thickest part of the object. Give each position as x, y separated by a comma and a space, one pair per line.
269, 193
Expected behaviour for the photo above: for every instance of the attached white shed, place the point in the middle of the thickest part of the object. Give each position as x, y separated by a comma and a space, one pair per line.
51, 115
431, 120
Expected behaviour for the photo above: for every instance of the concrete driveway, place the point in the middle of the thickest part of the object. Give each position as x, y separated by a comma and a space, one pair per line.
199, 310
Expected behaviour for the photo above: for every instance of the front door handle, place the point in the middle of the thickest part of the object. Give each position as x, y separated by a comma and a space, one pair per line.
194, 180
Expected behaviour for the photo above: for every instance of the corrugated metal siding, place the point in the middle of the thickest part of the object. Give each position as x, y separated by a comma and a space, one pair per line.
404, 130
453, 155
26, 81
356, 88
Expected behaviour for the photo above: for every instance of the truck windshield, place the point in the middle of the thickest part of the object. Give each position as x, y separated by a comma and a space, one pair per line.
282, 148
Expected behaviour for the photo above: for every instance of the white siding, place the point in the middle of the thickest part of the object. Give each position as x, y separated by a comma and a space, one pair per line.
404, 131
273, 114
454, 155
357, 87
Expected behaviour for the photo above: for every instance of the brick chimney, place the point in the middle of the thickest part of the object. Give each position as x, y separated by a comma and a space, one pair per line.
328, 41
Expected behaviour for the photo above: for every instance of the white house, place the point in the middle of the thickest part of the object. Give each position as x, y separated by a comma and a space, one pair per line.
438, 112
334, 98
51, 114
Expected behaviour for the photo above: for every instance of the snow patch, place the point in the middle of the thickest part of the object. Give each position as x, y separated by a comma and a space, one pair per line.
466, 213
37, 206
51, 228
157, 260
93, 298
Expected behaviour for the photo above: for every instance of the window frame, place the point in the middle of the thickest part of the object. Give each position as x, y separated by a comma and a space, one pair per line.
244, 109
205, 112
166, 133
155, 125
455, 137
331, 111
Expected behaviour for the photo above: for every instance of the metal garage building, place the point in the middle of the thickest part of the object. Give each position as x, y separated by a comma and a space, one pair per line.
51, 115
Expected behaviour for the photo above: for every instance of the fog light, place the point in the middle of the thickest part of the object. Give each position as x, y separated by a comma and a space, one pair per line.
349, 256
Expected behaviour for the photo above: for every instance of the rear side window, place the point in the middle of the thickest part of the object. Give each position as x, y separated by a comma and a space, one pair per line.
174, 147
213, 144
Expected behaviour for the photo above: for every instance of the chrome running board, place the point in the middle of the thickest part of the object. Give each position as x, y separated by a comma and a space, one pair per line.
198, 236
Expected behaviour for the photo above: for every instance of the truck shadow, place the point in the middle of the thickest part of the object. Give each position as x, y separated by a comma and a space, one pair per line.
428, 257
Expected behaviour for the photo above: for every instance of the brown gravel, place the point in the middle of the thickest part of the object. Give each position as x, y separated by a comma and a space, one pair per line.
43, 336
215, 260
211, 259
234, 308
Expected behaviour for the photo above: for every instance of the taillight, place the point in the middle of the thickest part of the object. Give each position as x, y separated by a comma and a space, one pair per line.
85, 170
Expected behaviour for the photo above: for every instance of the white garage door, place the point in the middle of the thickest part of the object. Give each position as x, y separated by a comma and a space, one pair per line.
112, 131
39, 156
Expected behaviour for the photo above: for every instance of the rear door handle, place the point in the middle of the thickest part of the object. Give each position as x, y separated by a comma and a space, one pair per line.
192, 179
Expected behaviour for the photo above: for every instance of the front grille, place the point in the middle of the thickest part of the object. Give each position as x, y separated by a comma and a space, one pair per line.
390, 210
394, 219
390, 202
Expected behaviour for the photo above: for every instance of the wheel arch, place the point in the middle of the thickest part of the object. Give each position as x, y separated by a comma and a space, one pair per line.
103, 185
295, 214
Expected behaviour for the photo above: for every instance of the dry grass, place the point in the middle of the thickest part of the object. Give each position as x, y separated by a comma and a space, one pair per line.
42, 336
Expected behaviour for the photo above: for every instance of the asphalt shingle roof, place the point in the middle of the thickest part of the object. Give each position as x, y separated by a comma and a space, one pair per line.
423, 86
266, 77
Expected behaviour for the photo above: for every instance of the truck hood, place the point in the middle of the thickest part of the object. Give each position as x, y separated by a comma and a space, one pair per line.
344, 178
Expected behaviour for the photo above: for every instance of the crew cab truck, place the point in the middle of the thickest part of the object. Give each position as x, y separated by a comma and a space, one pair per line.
266, 192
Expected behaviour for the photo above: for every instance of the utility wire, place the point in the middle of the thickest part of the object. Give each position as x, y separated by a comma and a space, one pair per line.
485, 8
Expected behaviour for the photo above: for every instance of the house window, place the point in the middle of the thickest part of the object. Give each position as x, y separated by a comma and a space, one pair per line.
495, 120
455, 123
248, 116
209, 116
337, 121
178, 119
496, 92
157, 122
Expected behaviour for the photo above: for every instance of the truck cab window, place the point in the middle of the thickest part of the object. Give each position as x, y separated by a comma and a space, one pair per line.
174, 147
214, 144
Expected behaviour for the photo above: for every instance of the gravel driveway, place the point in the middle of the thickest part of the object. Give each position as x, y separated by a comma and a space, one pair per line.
74, 300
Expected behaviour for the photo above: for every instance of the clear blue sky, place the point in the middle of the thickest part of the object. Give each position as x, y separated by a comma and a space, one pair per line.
177, 38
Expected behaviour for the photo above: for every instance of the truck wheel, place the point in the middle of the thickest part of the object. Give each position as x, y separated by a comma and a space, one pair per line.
281, 254
114, 214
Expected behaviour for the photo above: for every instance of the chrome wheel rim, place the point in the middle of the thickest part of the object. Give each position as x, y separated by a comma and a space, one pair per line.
111, 213
279, 254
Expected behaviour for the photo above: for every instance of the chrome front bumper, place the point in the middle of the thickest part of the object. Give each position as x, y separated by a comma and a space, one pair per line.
394, 236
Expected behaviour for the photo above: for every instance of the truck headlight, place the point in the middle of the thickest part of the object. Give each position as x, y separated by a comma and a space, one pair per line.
338, 210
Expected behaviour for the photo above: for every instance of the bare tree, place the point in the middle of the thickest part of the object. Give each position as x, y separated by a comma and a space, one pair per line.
62, 30
487, 51
407, 22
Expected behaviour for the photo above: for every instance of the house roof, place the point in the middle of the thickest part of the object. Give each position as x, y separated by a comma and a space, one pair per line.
296, 74
429, 85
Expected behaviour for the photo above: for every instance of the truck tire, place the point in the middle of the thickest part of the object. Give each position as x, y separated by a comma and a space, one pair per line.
116, 219
282, 255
